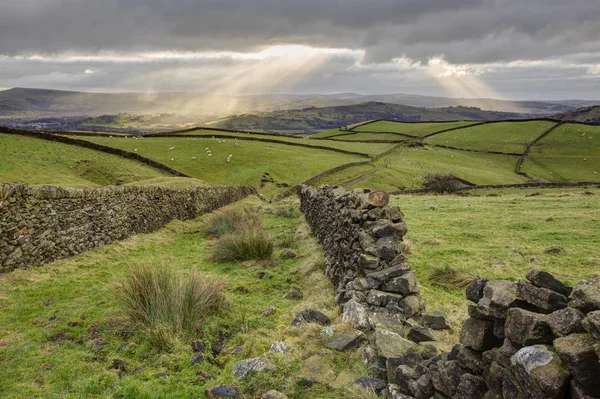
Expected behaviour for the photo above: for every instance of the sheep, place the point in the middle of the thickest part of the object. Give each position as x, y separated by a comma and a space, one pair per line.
210, 155
135, 150
171, 148
193, 158
172, 159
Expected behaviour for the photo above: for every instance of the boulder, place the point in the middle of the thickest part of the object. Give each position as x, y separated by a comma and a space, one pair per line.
498, 297
197, 358
391, 345
591, 323
434, 320
390, 272
579, 356
380, 298
293, 293
344, 379
411, 305
536, 372
310, 316
345, 340
273, 394
374, 384
405, 284
386, 228
420, 334
222, 391
366, 261
478, 334
376, 199
278, 347
387, 248
384, 320
445, 376
565, 322
586, 296
527, 328
429, 349
315, 370
474, 291
470, 387
542, 298
356, 314
544, 279
470, 359
247, 367
422, 387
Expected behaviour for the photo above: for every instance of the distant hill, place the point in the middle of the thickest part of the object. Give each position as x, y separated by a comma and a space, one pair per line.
311, 119
587, 114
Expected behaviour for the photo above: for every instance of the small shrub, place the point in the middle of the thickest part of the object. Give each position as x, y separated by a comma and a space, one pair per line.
289, 211
247, 243
229, 220
450, 278
167, 305
441, 184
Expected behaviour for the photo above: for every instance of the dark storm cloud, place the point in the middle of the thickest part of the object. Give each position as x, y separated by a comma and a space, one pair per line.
463, 30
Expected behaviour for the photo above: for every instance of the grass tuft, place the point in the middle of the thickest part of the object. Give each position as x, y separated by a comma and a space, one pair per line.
166, 305
441, 184
450, 278
246, 243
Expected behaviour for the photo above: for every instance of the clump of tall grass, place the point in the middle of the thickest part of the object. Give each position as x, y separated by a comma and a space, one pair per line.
246, 243
167, 305
450, 278
231, 220
441, 184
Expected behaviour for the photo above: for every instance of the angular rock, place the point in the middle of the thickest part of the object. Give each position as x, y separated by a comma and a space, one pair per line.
419, 334
429, 349
411, 305
544, 279
527, 328
197, 358
357, 314
434, 320
471, 387
591, 323
345, 340
586, 296
293, 293
380, 298
542, 298
366, 261
248, 367
375, 384
498, 297
278, 347
377, 199
499, 325
422, 388
474, 291
310, 316
315, 370
579, 356
394, 214
393, 322
402, 376
385, 228
478, 334
387, 248
198, 346
405, 284
565, 322
536, 372
344, 379
390, 272
445, 376
493, 376
222, 391
391, 345
273, 394
470, 359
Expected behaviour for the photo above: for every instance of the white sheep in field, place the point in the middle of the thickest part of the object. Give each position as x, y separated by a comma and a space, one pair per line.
209, 154
229, 158
171, 148
135, 150
193, 158
172, 159
206, 149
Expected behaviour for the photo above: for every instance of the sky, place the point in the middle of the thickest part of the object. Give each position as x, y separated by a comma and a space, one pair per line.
505, 49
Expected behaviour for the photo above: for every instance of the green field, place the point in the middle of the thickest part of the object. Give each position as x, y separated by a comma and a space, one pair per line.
511, 137
372, 136
501, 237
371, 149
286, 164
570, 152
406, 168
40, 162
411, 129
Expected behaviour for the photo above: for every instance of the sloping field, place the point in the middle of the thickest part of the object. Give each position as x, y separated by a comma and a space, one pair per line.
39, 162
372, 136
406, 168
250, 160
509, 137
571, 152
371, 149
411, 129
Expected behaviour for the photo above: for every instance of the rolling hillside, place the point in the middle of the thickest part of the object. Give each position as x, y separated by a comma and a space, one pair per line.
586, 114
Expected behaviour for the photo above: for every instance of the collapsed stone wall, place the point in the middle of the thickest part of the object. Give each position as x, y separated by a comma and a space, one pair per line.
536, 339
39, 225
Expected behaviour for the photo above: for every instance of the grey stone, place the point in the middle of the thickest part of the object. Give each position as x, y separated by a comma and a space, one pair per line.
315, 370
357, 314
345, 340
586, 296
542, 298
478, 334
591, 323
422, 388
381, 298
544, 279
392, 345
471, 387
565, 322
411, 305
527, 328
402, 376
273, 394
293, 293
579, 356
197, 358
366, 261
470, 359
377, 199
405, 284
434, 320
390, 272
445, 376
387, 248
393, 322
375, 384
223, 391
474, 291
498, 297
310, 316
420, 334
278, 347
536, 372
247, 367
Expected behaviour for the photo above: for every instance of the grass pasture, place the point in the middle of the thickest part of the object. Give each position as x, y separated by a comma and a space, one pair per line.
287, 165
501, 234
40, 162
571, 152
365, 137
408, 128
510, 137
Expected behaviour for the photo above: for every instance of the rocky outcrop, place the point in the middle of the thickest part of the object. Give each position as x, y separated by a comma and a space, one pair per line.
39, 225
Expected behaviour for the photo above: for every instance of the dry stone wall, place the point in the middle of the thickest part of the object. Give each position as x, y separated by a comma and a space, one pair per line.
39, 225
536, 338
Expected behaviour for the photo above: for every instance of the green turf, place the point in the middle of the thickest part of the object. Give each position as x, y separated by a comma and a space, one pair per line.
501, 237
250, 159
38, 162
570, 152
372, 136
370, 149
406, 168
511, 137
329, 133
411, 129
